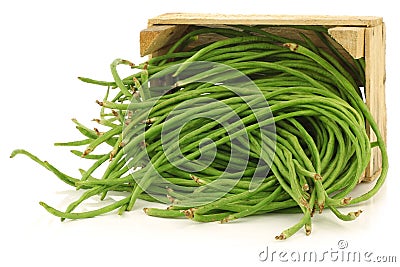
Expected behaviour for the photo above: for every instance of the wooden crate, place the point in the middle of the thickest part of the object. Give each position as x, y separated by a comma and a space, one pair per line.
359, 36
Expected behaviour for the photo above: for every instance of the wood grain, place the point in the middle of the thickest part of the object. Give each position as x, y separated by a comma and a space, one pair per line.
375, 91
156, 37
196, 18
351, 38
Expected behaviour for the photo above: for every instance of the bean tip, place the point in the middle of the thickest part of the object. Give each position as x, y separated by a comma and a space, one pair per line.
114, 113
195, 178
127, 62
291, 46
305, 187
312, 212
98, 132
86, 152
189, 213
225, 220
15, 152
308, 229
345, 201
143, 144
112, 154
317, 177
170, 198
280, 237
321, 208
352, 216
19, 151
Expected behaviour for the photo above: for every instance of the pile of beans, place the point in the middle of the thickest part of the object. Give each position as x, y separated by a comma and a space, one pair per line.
251, 124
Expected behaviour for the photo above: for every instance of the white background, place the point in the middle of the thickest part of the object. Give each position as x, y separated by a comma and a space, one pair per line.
45, 45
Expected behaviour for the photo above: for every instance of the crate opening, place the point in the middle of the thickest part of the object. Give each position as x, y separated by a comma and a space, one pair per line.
158, 39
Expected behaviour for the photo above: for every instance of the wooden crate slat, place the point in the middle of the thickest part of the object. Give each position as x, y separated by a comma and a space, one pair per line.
351, 38
251, 19
156, 37
375, 90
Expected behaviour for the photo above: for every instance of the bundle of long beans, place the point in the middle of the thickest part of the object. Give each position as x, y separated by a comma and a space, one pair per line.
309, 155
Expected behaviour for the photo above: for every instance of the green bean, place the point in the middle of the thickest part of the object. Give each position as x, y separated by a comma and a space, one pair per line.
87, 214
89, 193
255, 208
117, 79
99, 162
91, 156
222, 43
164, 213
75, 143
103, 83
106, 136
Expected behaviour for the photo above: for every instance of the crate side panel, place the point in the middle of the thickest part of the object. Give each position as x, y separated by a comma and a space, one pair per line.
155, 37
351, 38
375, 91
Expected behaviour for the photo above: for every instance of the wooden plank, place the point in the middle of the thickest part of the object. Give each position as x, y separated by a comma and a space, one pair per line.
351, 38
375, 91
196, 18
156, 37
